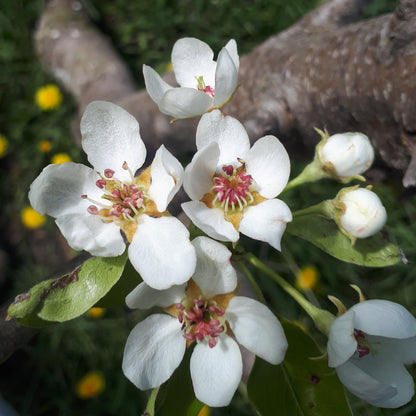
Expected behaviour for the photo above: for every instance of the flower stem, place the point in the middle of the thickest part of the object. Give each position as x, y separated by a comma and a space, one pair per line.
252, 281
150, 408
325, 209
322, 319
312, 172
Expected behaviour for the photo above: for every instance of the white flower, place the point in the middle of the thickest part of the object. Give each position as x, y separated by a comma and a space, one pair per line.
92, 205
232, 186
369, 347
204, 83
348, 154
363, 214
204, 310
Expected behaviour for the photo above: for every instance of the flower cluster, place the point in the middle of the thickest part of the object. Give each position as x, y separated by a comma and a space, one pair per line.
117, 205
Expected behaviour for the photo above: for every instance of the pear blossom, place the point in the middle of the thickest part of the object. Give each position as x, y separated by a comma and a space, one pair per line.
204, 83
92, 205
346, 154
205, 311
369, 346
232, 186
362, 214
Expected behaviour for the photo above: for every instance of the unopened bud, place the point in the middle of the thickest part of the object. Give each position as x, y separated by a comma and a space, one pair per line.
348, 154
362, 214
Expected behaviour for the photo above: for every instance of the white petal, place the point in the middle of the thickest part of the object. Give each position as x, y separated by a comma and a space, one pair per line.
193, 58
226, 77
185, 102
216, 372
341, 342
155, 85
87, 232
144, 297
154, 349
363, 385
256, 328
211, 221
269, 164
231, 47
161, 252
166, 173
110, 137
57, 190
266, 221
228, 132
198, 175
214, 273
384, 318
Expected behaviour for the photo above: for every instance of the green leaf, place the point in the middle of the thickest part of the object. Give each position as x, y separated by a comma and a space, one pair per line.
117, 294
176, 396
300, 385
375, 251
67, 297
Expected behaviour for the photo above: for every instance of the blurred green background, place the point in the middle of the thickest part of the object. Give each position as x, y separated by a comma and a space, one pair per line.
41, 378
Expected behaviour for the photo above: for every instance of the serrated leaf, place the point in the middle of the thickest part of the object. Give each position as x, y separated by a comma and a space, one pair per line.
65, 298
300, 385
375, 251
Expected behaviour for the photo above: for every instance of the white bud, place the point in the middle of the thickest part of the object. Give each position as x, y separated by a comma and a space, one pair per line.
364, 213
349, 153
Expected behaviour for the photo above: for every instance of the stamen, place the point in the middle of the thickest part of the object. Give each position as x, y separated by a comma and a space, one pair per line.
101, 183
92, 209
109, 173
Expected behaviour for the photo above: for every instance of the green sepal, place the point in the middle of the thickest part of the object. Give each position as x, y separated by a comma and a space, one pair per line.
375, 251
69, 296
301, 385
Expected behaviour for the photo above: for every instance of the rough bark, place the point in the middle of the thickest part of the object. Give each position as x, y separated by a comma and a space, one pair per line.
323, 72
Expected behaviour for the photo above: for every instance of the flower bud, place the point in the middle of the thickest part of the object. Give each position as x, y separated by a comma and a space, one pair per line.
347, 154
363, 214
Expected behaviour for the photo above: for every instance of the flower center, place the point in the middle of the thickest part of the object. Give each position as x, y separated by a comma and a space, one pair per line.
232, 187
201, 319
364, 346
122, 202
205, 88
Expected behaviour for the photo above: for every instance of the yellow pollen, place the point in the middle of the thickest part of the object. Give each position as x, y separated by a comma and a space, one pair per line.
45, 146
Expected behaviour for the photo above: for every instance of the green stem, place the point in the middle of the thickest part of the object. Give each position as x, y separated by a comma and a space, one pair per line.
322, 319
150, 408
252, 281
325, 209
312, 172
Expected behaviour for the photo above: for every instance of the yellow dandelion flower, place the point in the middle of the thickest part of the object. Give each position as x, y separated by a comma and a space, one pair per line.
45, 146
91, 385
32, 219
3, 145
96, 312
204, 411
307, 278
60, 158
48, 97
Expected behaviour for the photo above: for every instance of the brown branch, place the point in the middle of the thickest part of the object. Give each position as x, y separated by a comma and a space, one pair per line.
351, 77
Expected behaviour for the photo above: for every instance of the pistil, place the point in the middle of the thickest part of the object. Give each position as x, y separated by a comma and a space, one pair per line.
232, 187
201, 320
